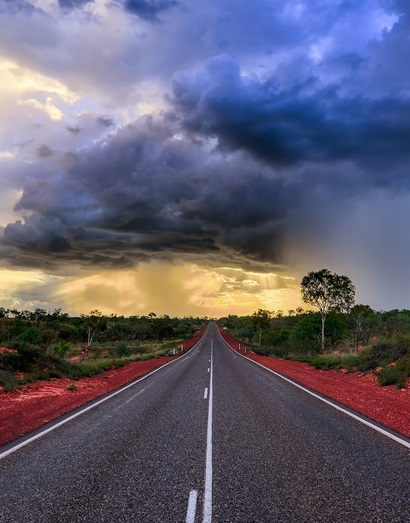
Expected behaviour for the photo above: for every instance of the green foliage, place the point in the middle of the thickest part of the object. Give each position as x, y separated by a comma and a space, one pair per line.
305, 337
328, 292
8, 380
392, 359
30, 364
325, 362
43, 340
61, 349
120, 350
392, 375
384, 353
362, 323
31, 335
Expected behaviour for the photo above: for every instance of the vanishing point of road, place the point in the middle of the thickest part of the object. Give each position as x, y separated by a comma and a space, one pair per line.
210, 437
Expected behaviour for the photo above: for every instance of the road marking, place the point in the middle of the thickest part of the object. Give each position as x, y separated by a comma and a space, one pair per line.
86, 409
207, 516
208, 369
191, 510
386, 433
133, 397
206, 393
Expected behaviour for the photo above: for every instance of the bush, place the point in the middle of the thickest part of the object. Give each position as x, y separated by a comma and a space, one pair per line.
381, 355
325, 362
61, 349
392, 375
30, 335
305, 337
385, 352
8, 380
120, 350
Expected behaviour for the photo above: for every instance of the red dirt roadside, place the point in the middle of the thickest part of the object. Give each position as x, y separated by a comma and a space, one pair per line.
360, 392
35, 404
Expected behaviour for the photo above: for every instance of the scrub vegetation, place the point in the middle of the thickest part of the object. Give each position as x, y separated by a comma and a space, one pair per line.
361, 340
40, 345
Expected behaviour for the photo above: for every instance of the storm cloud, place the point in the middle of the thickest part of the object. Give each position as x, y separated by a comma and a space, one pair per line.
73, 4
145, 192
226, 134
149, 9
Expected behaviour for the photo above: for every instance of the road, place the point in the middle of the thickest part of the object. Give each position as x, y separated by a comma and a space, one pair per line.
210, 437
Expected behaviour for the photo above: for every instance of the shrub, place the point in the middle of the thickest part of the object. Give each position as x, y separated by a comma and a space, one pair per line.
30, 335
120, 349
392, 375
306, 335
325, 362
8, 381
61, 349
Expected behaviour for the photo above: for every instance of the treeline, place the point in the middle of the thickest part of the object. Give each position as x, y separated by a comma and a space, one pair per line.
363, 340
40, 345
44, 328
299, 331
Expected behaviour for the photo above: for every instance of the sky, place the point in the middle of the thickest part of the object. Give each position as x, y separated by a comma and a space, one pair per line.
200, 157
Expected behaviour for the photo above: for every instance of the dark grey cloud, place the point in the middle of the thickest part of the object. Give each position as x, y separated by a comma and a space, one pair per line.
73, 4
105, 121
286, 127
146, 193
16, 6
149, 9
44, 151
301, 111
236, 168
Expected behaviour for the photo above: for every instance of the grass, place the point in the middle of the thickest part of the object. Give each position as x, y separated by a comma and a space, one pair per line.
388, 360
30, 364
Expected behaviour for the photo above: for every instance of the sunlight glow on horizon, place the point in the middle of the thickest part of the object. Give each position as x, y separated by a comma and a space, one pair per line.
175, 290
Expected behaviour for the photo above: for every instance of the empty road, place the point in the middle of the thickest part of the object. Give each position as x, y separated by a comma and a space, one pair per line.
210, 437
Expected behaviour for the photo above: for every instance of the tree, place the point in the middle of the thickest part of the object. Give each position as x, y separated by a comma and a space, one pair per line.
328, 292
363, 320
92, 323
305, 335
261, 320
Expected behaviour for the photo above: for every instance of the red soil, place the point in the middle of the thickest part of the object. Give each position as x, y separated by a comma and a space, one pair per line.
387, 405
35, 404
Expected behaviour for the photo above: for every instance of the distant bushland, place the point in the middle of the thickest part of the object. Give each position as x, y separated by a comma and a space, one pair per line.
362, 339
43, 345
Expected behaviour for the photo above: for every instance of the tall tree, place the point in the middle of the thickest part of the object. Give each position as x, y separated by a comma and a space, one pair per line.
362, 320
261, 320
93, 323
327, 291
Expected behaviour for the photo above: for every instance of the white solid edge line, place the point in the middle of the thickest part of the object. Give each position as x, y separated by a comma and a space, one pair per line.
191, 510
395, 438
207, 514
86, 409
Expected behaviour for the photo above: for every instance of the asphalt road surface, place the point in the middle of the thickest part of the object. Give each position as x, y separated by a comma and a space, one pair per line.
210, 437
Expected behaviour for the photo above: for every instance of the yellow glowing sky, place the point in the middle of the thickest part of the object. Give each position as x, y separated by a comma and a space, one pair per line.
176, 290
